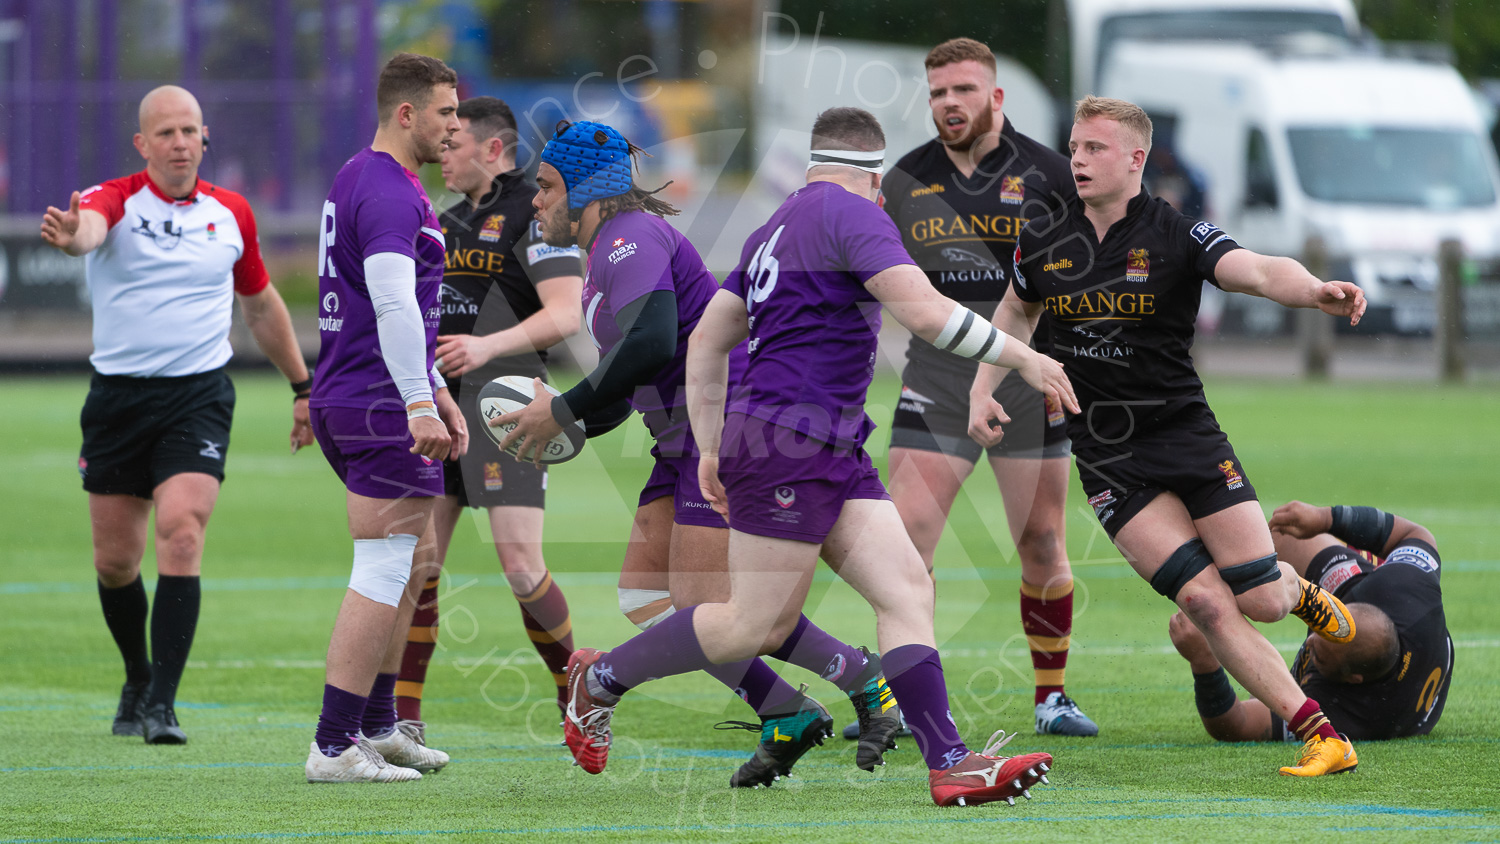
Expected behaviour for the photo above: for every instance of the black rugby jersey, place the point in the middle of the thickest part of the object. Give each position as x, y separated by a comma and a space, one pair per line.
962, 230
497, 246
1409, 700
1121, 311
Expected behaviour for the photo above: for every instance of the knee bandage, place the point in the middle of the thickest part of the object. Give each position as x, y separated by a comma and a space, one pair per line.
1246, 576
382, 567
1181, 567
646, 608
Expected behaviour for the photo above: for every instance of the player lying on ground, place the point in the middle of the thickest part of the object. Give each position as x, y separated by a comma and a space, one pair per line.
646, 290
797, 482
1119, 276
1392, 678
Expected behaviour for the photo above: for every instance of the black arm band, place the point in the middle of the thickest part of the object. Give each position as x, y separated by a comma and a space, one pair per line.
649, 326
606, 420
1365, 528
1213, 694
302, 389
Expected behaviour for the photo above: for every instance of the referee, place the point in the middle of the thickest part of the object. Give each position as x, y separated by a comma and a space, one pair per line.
1392, 680
167, 252
507, 297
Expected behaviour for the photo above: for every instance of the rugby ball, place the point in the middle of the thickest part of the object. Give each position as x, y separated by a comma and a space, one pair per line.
512, 392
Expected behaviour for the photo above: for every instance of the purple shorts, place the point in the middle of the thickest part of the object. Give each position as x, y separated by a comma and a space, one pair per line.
779, 484
676, 474
369, 450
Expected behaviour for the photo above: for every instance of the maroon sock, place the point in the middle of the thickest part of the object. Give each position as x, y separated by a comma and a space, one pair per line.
421, 640
544, 612
1047, 621
915, 675
1310, 721
338, 724
380, 709
810, 647
671, 647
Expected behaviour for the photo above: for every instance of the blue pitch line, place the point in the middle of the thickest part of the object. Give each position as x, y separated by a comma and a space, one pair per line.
273, 836
578, 578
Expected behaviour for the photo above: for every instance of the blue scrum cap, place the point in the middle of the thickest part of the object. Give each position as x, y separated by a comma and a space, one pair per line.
594, 160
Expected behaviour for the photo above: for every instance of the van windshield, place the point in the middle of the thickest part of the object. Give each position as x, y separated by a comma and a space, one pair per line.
1428, 168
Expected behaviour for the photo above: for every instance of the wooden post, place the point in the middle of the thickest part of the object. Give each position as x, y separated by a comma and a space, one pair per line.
1448, 328
1314, 328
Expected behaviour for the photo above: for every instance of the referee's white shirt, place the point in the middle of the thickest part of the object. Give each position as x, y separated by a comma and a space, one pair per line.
162, 283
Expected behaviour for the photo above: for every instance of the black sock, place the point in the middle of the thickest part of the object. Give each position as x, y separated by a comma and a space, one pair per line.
174, 619
125, 613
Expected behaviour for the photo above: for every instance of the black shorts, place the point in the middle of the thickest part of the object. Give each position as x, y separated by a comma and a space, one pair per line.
933, 415
488, 477
1185, 454
137, 432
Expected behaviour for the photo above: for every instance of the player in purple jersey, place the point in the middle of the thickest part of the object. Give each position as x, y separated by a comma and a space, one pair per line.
796, 480
645, 288
382, 415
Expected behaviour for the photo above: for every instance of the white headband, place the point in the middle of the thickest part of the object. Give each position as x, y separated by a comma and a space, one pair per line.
871, 161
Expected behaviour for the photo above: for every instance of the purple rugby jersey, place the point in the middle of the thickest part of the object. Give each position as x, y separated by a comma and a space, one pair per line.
813, 325
375, 206
636, 253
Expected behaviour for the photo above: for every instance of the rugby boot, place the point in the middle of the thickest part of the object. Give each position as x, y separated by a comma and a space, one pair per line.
986, 777
159, 725
1324, 757
1058, 715
784, 739
586, 721
132, 710
358, 763
879, 715
406, 747
1324, 614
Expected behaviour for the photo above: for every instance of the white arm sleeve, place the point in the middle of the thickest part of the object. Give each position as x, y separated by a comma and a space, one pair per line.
392, 282
438, 381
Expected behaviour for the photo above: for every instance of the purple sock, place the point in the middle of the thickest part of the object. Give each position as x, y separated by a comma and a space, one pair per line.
380, 711
670, 647
915, 675
756, 683
811, 648
338, 725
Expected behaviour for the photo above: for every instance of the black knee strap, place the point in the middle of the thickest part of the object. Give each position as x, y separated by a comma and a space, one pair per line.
1181, 567
1246, 576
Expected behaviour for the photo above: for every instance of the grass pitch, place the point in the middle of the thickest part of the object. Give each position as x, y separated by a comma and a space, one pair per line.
277, 559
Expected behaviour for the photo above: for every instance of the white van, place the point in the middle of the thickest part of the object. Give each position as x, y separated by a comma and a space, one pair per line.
1097, 26
1383, 158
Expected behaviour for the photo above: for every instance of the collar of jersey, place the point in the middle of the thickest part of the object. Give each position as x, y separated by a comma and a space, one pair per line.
1133, 208
191, 199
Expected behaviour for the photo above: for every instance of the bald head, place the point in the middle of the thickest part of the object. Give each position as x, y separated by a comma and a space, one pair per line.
168, 100
171, 138
1372, 654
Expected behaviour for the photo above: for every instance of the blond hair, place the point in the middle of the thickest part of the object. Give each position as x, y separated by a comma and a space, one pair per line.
1130, 116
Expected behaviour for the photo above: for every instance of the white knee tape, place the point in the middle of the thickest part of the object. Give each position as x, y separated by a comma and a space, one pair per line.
646, 608
382, 567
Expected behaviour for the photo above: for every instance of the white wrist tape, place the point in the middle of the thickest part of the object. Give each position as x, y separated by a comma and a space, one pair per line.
969, 335
424, 410
646, 608
382, 567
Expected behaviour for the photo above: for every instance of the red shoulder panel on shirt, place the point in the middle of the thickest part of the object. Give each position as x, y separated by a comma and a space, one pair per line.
250, 276
109, 197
